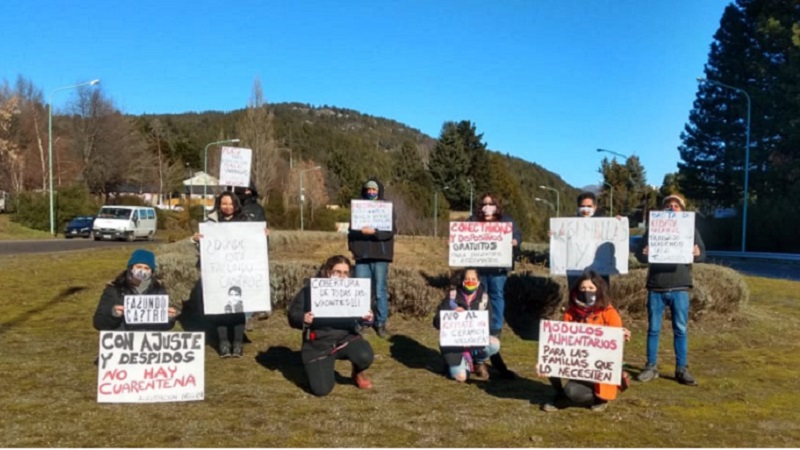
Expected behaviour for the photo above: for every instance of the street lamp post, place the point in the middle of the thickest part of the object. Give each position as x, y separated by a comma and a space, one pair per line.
544, 201
746, 154
302, 195
205, 170
611, 199
50, 146
558, 199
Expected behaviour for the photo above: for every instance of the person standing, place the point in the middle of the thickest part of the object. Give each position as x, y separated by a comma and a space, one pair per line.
587, 205
248, 197
373, 251
668, 286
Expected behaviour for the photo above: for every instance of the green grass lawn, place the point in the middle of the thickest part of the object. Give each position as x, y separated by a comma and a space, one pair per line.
747, 366
13, 231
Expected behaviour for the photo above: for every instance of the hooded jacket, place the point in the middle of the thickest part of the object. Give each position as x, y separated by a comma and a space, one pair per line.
457, 298
378, 246
667, 277
114, 294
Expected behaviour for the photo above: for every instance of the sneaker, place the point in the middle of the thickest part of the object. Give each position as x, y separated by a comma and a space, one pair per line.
380, 330
649, 373
362, 380
549, 407
599, 407
224, 350
237, 350
684, 377
481, 372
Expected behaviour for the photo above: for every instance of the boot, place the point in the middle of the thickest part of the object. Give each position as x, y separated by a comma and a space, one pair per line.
224, 350
481, 372
237, 350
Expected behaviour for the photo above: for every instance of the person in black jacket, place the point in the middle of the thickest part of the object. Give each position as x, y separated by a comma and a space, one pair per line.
668, 287
138, 279
462, 361
248, 196
373, 250
327, 340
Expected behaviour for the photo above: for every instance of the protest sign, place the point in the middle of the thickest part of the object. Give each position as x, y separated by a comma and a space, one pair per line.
150, 367
146, 309
580, 351
670, 237
372, 214
234, 166
481, 244
463, 328
235, 267
340, 297
582, 243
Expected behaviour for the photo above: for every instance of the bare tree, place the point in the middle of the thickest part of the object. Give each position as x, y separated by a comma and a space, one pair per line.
10, 156
256, 132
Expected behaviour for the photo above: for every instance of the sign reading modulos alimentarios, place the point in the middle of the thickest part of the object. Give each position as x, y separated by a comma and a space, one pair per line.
340, 297
670, 237
146, 309
150, 367
371, 214
235, 267
580, 351
583, 243
481, 244
463, 328
234, 166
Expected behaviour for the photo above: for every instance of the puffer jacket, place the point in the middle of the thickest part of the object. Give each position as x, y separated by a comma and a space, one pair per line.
608, 317
375, 247
115, 293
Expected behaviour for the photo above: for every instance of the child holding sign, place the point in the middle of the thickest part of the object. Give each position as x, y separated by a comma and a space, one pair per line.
326, 340
138, 279
590, 303
461, 361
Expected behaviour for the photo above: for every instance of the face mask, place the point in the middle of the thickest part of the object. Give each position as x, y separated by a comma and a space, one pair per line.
587, 298
470, 286
372, 196
141, 274
489, 210
586, 211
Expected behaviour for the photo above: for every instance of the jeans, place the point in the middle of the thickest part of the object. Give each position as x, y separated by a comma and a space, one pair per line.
377, 271
495, 285
479, 356
678, 304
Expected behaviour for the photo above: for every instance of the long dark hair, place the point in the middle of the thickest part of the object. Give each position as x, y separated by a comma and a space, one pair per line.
603, 295
324, 271
237, 205
498, 215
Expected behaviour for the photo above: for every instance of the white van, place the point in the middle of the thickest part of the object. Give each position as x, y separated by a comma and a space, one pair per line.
125, 222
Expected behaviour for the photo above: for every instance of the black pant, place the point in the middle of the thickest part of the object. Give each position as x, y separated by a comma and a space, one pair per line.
320, 365
225, 324
577, 392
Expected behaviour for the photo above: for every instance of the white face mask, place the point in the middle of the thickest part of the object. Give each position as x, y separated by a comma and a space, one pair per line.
489, 210
141, 274
586, 211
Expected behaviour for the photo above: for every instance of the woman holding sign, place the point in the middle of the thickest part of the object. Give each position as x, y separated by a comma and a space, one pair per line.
461, 361
137, 280
330, 339
589, 303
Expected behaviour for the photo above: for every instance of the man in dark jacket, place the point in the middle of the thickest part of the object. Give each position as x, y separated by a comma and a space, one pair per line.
248, 196
373, 250
668, 287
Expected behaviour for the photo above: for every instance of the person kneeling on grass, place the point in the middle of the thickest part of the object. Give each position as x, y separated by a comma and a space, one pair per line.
326, 340
469, 295
138, 279
589, 302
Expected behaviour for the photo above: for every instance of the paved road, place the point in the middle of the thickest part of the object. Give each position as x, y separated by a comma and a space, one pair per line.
761, 268
56, 245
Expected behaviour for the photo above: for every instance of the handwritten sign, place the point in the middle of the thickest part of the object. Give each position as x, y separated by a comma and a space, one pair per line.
340, 297
373, 214
234, 166
235, 267
146, 308
463, 328
580, 351
670, 237
150, 367
481, 244
581, 243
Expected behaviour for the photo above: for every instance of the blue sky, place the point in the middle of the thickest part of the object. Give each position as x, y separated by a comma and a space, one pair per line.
548, 81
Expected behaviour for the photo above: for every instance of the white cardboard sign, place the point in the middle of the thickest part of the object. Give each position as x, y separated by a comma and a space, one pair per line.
340, 297
146, 309
581, 243
371, 213
234, 166
150, 367
580, 351
235, 267
481, 244
670, 237
463, 328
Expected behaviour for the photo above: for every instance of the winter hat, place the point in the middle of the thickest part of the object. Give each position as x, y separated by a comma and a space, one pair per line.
142, 256
675, 197
371, 184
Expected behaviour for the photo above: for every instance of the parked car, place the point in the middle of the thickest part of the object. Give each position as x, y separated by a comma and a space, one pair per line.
80, 226
125, 223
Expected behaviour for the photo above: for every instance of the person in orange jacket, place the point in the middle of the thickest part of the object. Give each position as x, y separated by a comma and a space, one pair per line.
589, 302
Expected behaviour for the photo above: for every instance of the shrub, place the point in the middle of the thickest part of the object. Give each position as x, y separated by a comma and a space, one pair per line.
33, 208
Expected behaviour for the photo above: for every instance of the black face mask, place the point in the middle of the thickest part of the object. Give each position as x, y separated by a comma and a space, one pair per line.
587, 298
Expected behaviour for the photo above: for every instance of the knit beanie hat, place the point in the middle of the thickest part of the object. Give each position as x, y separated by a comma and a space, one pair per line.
142, 256
371, 184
